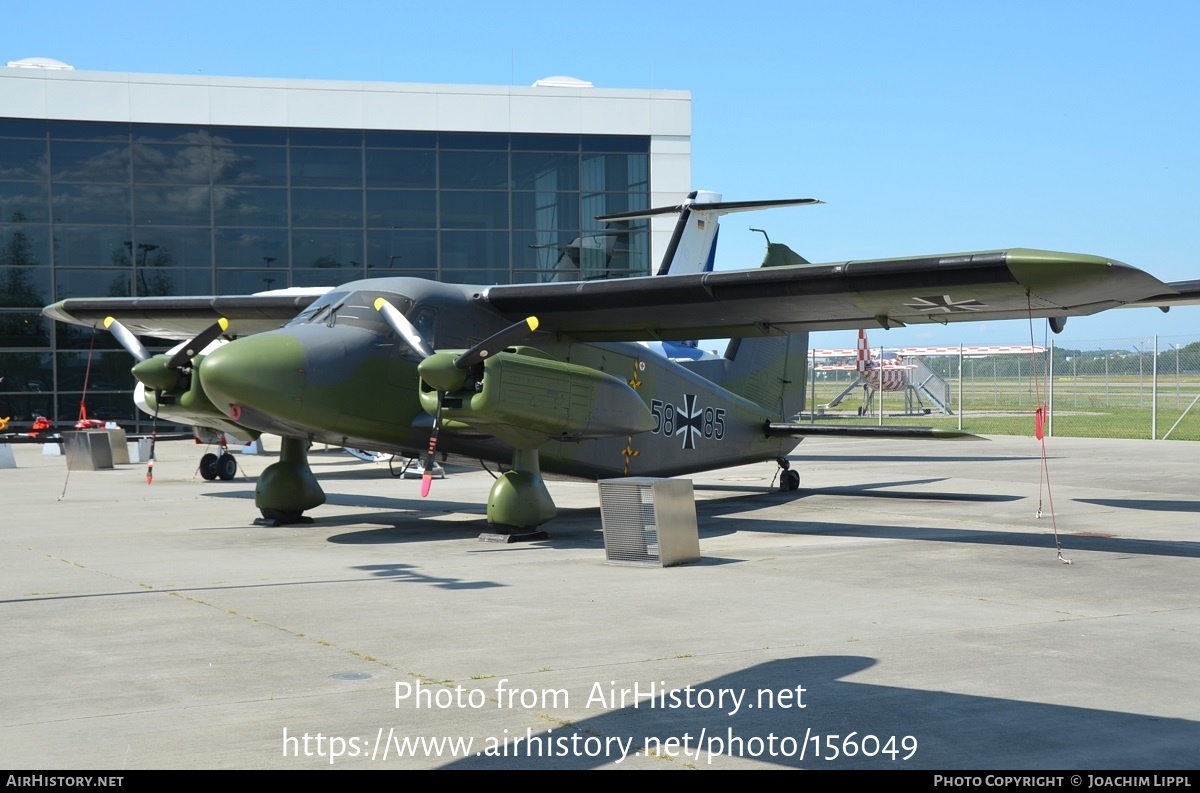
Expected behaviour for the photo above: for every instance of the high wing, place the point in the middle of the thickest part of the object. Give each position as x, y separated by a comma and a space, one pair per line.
181, 318
1010, 284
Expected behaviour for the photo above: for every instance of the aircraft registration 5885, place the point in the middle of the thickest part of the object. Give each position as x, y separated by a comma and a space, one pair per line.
551, 376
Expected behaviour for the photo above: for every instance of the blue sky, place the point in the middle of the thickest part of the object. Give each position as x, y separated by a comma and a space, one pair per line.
928, 127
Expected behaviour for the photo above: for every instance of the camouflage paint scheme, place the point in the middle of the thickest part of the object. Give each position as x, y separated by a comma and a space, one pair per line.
578, 397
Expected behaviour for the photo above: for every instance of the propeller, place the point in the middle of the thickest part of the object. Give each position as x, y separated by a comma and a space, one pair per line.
444, 373
184, 357
160, 375
126, 339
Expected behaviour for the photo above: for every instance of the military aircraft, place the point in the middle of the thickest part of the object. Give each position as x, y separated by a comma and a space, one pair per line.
550, 377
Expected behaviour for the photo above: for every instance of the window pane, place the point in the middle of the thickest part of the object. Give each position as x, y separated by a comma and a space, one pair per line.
24, 159
24, 287
24, 246
474, 140
24, 202
266, 248
91, 283
172, 133
261, 136
401, 209
326, 137
92, 203
89, 130
328, 249
545, 171
615, 172
27, 371
109, 371
326, 167
250, 206
175, 247
250, 165
474, 210
173, 206
23, 329
245, 282
408, 250
635, 144
545, 142
479, 170
399, 168
82, 246
545, 210
474, 250
155, 164
328, 208
157, 281
386, 139
89, 162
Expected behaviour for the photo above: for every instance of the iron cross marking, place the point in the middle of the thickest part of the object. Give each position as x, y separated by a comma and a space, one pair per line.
690, 421
945, 304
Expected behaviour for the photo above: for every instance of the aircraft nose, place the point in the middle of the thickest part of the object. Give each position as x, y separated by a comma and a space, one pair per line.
264, 373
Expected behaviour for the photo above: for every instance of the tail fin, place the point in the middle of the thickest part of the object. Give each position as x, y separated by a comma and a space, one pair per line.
693, 244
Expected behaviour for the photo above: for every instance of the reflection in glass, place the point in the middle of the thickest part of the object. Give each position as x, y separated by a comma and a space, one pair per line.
91, 203
545, 211
474, 210
172, 206
328, 249
24, 287
408, 250
537, 171
473, 170
252, 248
91, 283
24, 202
250, 206
404, 209
399, 168
24, 159
327, 208
89, 162
26, 371
326, 167
24, 246
161, 164
89, 246
250, 165
23, 329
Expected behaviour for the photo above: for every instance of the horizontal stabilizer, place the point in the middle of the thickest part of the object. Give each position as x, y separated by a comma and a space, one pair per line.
792, 430
720, 207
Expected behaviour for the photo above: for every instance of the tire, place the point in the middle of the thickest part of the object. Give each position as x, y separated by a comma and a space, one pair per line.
208, 466
226, 467
789, 480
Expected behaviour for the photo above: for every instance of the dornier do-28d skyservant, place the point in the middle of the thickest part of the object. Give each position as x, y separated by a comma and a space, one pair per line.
551, 376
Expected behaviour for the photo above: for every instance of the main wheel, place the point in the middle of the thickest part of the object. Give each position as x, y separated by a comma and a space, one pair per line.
208, 466
226, 467
789, 480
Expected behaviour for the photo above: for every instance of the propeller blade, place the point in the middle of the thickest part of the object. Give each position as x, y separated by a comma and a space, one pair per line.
427, 476
404, 329
127, 339
206, 337
496, 342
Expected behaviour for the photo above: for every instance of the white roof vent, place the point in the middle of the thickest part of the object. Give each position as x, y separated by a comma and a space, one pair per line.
39, 63
561, 81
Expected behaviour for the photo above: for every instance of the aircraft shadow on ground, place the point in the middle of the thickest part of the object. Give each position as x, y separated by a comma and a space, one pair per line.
1150, 505
800, 457
951, 731
581, 528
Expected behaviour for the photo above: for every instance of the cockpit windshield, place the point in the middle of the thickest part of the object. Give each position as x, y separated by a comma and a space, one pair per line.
353, 309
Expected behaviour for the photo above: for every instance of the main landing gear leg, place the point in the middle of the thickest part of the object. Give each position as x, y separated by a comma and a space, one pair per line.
223, 467
789, 478
519, 501
287, 488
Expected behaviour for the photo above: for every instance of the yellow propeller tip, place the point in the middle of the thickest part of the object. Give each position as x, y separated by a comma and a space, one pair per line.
224, 323
532, 322
108, 321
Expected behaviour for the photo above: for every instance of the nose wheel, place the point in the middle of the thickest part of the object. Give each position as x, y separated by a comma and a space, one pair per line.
223, 467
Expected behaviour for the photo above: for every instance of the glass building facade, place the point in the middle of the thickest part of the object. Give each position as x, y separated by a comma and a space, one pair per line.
95, 209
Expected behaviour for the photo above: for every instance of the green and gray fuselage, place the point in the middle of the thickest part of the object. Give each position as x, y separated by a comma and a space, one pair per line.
338, 374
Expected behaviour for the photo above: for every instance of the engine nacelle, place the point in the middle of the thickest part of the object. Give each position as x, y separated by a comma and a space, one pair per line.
526, 400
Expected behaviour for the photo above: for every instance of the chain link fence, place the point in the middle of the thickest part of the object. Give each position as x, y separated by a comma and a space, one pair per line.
1106, 388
